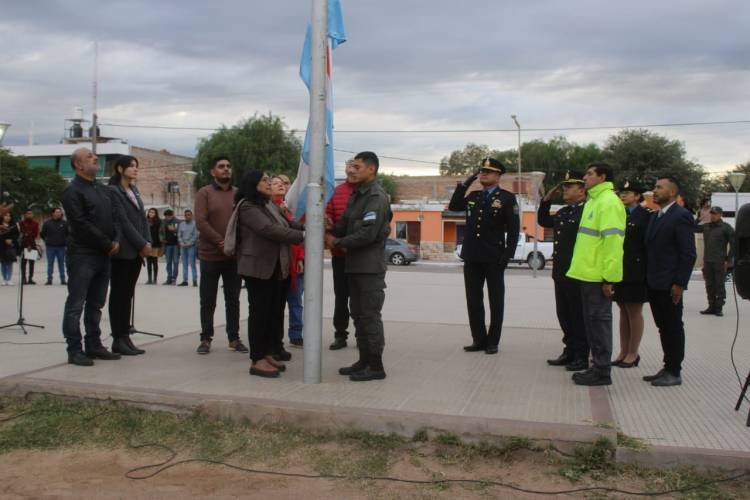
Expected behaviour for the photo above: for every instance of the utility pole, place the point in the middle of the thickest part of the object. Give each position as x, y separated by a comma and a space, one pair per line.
94, 133
314, 223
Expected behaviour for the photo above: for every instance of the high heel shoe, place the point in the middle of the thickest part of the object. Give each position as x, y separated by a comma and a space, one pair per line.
624, 364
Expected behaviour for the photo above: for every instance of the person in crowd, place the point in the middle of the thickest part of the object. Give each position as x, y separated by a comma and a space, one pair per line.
9, 234
334, 211
631, 293
362, 232
214, 204
187, 236
597, 263
135, 245
490, 238
264, 261
152, 261
171, 245
718, 256
296, 288
575, 355
29, 233
55, 234
93, 239
670, 257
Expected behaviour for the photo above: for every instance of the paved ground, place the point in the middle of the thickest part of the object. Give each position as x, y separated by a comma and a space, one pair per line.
428, 374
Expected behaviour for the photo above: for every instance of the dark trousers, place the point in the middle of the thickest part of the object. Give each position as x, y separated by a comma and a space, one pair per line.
715, 279
211, 271
597, 316
265, 326
172, 256
568, 302
341, 293
88, 279
668, 319
55, 254
152, 265
475, 275
367, 298
124, 276
27, 277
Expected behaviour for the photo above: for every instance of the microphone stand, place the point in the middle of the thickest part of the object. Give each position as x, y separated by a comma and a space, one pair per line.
21, 322
132, 330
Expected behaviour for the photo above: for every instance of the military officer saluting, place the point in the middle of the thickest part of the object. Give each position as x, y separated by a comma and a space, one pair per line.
490, 240
575, 355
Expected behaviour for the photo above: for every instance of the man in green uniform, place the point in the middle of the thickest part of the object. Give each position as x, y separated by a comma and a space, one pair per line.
361, 233
718, 254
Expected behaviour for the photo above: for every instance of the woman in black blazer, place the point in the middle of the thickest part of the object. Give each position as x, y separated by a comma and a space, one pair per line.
135, 244
630, 293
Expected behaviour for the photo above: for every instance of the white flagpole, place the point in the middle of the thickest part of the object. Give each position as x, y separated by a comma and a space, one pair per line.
314, 224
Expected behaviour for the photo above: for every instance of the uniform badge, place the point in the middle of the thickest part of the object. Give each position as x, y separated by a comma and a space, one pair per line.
567, 175
497, 204
487, 163
626, 185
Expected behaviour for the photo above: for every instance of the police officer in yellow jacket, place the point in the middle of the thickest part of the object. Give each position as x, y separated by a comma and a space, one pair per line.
597, 263
490, 238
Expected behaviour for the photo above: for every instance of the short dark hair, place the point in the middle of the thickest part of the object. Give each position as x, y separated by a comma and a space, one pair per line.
168, 211
602, 169
217, 159
369, 158
673, 180
187, 211
54, 209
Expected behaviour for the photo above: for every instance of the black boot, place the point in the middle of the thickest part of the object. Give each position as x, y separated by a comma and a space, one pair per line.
361, 364
373, 371
710, 310
132, 346
119, 346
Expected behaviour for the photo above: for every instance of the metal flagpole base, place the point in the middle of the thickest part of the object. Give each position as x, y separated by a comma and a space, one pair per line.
133, 330
21, 323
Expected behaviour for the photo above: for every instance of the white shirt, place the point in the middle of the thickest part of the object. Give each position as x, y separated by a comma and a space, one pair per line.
665, 209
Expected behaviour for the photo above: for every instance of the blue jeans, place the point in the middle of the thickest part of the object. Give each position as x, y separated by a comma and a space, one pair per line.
294, 299
56, 253
88, 280
7, 268
188, 257
172, 254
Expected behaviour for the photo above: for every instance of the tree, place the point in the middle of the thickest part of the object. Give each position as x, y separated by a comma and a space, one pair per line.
643, 156
388, 183
465, 161
721, 184
28, 188
261, 142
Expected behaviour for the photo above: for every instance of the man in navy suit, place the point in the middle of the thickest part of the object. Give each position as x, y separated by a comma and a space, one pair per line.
670, 244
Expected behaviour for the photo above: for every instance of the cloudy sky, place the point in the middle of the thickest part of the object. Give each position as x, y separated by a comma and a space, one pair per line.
408, 65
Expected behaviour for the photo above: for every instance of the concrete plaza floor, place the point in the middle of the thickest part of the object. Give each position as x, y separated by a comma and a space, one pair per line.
431, 382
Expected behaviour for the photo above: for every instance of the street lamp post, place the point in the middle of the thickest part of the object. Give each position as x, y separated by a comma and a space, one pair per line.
518, 126
3, 129
190, 175
736, 179
537, 179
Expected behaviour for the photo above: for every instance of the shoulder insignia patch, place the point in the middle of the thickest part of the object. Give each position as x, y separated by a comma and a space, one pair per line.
370, 216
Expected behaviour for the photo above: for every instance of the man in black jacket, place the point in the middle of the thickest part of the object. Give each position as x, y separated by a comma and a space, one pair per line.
569, 306
55, 233
92, 240
490, 239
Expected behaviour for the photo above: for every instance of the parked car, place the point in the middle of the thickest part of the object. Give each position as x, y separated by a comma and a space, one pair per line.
525, 252
399, 252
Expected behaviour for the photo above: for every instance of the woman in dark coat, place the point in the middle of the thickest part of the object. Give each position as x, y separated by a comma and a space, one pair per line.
631, 294
263, 260
135, 244
9, 234
152, 260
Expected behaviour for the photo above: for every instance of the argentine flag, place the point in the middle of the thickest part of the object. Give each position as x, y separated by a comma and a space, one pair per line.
296, 199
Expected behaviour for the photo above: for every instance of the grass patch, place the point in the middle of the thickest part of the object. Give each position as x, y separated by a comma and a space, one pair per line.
630, 442
595, 461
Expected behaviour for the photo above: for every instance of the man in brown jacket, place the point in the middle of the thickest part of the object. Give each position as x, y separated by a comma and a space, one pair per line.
213, 207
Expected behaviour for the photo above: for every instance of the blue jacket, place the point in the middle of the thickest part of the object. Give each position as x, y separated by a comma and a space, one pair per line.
670, 243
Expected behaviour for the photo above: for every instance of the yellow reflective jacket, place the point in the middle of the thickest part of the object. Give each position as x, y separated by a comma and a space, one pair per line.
597, 255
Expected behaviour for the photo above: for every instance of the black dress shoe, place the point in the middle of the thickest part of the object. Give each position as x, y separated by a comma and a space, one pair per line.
366, 375
339, 343
577, 365
491, 350
282, 355
474, 348
718, 312
119, 346
101, 352
562, 360
129, 342
80, 359
592, 378
356, 367
651, 378
710, 310
666, 380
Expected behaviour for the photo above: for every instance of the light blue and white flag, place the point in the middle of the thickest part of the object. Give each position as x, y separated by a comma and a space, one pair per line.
296, 198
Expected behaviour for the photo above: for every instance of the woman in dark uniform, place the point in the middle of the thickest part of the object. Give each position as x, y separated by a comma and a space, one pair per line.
630, 293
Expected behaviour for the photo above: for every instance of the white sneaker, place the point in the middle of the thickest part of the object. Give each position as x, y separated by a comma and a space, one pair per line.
4, 283
10, 283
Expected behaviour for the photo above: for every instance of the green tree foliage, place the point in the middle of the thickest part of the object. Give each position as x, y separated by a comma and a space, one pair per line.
721, 184
466, 160
644, 156
28, 188
261, 142
388, 183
